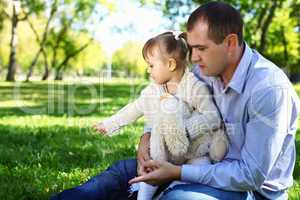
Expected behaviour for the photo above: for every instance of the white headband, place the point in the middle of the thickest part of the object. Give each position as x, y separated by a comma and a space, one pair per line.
176, 34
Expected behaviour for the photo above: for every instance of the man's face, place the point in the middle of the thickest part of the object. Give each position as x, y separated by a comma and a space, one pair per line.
212, 58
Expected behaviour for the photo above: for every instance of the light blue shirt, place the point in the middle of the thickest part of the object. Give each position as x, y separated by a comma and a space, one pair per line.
259, 108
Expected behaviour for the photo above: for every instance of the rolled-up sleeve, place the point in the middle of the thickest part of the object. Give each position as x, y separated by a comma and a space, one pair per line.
271, 114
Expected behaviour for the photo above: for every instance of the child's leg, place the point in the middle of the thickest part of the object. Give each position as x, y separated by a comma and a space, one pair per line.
173, 129
157, 152
146, 191
175, 138
158, 149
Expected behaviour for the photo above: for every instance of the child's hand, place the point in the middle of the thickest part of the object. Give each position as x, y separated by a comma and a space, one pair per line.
100, 128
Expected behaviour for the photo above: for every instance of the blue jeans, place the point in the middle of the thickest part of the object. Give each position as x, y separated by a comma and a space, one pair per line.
203, 192
112, 184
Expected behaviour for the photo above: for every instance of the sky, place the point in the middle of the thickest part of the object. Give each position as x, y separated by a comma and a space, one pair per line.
130, 22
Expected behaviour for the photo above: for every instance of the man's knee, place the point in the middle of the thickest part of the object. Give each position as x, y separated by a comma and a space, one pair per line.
122, 166
202, 192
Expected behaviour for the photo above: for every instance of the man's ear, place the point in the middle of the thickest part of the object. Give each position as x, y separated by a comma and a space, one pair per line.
231, 42
172, 64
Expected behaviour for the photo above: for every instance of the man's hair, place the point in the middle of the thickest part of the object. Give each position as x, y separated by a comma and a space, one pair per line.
222, 19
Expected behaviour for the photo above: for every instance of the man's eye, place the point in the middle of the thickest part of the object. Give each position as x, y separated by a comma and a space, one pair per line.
151, 66
201, 49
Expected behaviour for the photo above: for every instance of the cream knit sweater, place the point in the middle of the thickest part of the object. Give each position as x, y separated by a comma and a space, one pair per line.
201, 121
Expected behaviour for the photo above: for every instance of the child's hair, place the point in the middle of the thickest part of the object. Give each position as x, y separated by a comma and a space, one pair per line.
170, 46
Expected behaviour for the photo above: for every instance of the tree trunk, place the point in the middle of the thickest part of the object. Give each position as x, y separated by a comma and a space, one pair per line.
266, 25
286, 66
60, 68
41, 42
29, 74
46, 74
284, 43
12, 66
1, 66
47, 71
58, 75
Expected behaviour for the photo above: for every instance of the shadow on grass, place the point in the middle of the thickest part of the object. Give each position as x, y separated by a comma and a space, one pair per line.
42, 160
65, 99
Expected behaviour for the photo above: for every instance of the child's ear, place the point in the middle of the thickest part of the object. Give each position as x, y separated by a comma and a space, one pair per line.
172, 64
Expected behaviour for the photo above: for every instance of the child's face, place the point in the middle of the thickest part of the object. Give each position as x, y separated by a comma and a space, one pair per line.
158, 67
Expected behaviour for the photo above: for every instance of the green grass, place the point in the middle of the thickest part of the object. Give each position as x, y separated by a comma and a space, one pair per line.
294, 192
47, 145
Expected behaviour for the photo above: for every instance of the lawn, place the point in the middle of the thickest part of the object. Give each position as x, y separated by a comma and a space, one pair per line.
47, 145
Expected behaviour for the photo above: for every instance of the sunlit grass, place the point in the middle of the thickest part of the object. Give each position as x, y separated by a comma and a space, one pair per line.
47, 145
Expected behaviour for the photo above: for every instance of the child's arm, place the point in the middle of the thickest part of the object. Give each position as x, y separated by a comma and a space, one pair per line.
125, 116
128, 114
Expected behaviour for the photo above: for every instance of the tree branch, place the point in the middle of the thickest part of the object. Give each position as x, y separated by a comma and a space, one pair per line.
73, 54
266, 25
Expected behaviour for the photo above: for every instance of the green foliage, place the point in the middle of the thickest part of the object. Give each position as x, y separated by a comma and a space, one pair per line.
26, 44
129, 58
3, 16
283, 29
91, 60
65, 39
4, 41
33, 6
272, 27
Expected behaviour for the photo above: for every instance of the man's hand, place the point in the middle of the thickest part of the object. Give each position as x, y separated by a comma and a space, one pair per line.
162, 172
143, 153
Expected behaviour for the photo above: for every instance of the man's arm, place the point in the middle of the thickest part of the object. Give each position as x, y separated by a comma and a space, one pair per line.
269, 132
273, 121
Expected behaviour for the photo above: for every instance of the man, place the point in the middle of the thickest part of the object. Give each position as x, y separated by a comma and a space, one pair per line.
259, 107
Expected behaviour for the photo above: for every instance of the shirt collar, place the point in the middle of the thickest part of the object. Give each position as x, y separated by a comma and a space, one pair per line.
238, 79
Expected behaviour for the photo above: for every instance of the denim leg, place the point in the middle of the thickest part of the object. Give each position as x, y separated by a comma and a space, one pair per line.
110, 184
203, 192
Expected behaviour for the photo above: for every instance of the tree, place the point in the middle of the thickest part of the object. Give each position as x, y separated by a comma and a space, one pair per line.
64, 20
129, 59
72, 18
19, 12
91, 60
272, 27
41, 42
3, 16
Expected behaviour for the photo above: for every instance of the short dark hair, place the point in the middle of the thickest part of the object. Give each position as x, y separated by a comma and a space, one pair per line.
222, 19
169, 46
